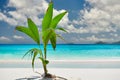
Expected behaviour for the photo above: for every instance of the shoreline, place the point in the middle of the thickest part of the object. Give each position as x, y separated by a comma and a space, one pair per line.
82, 60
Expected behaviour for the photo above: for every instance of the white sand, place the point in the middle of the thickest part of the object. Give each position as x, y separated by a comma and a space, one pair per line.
69, 73
72, 70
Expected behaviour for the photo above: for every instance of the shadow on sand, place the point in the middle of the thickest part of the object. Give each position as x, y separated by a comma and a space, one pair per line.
39, 78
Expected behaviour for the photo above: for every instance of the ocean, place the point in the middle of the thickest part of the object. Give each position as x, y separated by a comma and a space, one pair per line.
63, 51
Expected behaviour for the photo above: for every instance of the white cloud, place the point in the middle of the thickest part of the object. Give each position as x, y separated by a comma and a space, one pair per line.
93, 38
33, 9
114, 34
101, 20
20, 3
27, 8
104, 2
18, 37
10, 21
103, 16
4, 39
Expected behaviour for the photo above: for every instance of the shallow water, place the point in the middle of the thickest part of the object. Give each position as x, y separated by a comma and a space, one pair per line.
64, 51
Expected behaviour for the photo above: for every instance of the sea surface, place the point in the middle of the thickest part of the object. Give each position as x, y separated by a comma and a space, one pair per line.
62, 52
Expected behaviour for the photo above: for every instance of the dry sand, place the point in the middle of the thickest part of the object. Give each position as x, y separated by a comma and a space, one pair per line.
72, 70
70, 74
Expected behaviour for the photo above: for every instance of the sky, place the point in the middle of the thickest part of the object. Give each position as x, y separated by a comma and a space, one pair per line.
87, 21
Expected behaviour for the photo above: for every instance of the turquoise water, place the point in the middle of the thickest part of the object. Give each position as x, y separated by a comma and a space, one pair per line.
64, 52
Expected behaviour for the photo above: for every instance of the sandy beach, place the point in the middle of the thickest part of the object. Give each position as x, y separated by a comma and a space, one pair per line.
92, 63
70, 74
59, 39
72, 70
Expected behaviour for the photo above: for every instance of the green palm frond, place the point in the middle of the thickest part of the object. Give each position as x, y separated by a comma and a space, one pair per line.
53, 39
60, 28
31, 31
32, 26
46, 36
47, 17
49, 26
34, 52
59, 36
56, 20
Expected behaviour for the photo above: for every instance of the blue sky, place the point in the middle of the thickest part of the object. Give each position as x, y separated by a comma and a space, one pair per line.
87, 21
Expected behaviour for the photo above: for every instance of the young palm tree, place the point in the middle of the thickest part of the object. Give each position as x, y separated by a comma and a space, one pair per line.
49, 26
